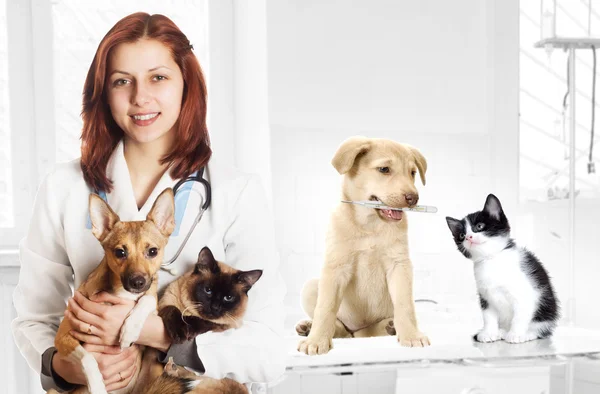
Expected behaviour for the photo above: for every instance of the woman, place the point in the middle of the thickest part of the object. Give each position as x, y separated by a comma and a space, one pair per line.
144, 128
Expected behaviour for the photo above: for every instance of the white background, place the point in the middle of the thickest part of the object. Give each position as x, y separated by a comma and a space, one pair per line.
289, 80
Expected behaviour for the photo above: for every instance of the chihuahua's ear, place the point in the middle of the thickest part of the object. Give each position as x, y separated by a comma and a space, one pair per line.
249, 278
206, 260
344, 158
420, 162
102, 216
163, 212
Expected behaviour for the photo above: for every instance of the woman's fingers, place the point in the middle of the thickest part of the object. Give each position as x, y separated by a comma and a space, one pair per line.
81, 314
102, 349
103, 296
117, 381
92, 307
91, 339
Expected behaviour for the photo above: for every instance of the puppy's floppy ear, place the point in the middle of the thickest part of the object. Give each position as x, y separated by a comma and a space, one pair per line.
102, 216
163, 212
206, 260
344, 158
419, 161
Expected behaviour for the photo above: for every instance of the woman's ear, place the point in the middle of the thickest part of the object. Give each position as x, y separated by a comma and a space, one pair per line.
344, 158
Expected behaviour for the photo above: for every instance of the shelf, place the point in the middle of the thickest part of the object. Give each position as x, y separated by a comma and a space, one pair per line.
570, 42
450, 347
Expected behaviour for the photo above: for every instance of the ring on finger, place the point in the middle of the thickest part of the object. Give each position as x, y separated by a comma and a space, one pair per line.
89, 330
120, 377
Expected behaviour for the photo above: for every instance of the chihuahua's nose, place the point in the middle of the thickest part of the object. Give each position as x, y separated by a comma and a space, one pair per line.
411, 199
136, 282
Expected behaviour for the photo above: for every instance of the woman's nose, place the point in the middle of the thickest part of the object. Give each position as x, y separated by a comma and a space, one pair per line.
141, 95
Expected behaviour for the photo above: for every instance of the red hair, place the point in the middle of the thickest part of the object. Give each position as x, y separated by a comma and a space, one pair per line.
100, 134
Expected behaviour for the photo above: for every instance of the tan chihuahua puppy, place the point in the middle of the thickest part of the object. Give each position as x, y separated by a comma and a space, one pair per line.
133, 255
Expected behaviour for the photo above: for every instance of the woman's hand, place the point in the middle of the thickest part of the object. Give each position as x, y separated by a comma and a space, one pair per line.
95, 322
116, 366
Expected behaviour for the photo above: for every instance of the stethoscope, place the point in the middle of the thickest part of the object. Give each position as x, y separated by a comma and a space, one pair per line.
204, 204
181, 191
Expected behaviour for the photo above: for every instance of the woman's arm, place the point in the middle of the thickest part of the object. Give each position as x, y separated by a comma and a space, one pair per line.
44, 279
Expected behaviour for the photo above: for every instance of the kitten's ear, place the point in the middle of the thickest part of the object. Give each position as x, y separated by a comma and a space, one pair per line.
206, 260
102, 216
249, 277
493, 206
455, 225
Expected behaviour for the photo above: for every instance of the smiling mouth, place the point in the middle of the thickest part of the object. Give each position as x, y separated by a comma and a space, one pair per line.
144, 119
387, 214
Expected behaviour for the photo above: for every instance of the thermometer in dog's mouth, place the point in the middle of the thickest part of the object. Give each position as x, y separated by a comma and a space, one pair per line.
379, 205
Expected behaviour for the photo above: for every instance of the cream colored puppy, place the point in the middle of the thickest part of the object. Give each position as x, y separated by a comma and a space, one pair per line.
366, 281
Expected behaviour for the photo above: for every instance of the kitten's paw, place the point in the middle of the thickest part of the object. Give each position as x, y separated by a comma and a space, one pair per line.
313, 346
390, 329
417, 339
512, 337
303, 327
487, 336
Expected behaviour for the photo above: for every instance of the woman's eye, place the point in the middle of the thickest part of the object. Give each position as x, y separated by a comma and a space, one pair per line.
120, 253
120, 82
461, 236
228, 298
384, 170
152, 252
159, 78
480, 226
208, 290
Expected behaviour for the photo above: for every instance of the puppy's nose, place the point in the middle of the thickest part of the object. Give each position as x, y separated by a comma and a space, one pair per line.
136, 282
411, 199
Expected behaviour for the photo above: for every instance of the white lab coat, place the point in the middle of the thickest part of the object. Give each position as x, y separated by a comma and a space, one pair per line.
59, 252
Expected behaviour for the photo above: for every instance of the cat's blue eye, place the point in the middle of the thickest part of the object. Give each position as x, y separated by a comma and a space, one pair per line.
228, 298
208, 290
461, 236
480, 226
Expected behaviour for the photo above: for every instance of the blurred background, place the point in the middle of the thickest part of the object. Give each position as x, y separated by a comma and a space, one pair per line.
289, 80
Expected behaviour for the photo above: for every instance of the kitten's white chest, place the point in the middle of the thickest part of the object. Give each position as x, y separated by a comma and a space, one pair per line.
502, 283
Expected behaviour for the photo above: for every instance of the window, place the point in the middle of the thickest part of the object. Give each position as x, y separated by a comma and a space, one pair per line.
45, 54
544, 127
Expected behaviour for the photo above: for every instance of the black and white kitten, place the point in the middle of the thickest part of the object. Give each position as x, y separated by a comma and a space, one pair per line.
517, 299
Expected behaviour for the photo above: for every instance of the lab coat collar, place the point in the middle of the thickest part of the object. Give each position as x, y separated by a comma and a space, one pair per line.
122, 198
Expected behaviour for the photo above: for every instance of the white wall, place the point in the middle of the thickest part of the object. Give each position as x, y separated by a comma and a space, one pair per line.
426, 73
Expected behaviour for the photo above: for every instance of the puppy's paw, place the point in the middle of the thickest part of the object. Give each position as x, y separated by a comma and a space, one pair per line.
513, 337
130, 332
97, 388
390, 329
303, 327
487, 336
313, 346
417, 339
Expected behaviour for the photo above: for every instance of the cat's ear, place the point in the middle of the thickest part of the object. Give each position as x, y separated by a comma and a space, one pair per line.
206, 260
249, 277
455, 225
493, 207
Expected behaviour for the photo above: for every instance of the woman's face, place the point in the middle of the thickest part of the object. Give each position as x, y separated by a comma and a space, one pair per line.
144, 87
